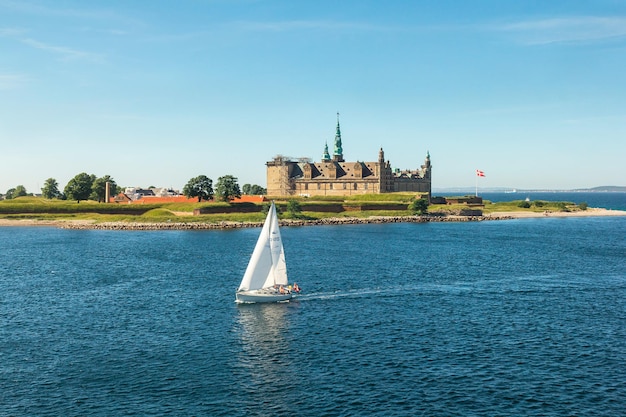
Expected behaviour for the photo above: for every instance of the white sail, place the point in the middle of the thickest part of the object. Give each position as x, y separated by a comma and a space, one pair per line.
267, 265
278, 275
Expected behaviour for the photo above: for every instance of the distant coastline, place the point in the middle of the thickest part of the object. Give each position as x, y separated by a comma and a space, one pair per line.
472, 190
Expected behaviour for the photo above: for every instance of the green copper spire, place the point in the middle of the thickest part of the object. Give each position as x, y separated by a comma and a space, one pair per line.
326, 156
338, 154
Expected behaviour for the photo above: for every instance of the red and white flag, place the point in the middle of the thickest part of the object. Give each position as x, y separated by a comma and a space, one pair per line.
480, 173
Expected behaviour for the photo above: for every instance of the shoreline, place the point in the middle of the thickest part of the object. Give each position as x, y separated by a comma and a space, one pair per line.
91, 225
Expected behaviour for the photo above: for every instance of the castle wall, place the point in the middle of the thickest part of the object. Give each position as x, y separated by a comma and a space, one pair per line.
335, 188
418, 185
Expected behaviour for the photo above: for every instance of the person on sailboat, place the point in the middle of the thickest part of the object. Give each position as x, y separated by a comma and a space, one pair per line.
295, 287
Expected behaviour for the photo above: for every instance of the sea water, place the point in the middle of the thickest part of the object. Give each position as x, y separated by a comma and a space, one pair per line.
515, 317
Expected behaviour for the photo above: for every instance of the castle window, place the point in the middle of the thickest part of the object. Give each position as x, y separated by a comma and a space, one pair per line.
330, 186
319, 186
365, 186
344, 185
355, 186
306, 186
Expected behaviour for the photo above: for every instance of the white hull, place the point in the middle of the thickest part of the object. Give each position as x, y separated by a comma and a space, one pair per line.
262, 296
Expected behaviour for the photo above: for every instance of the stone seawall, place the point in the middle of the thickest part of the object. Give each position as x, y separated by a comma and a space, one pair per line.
287, 222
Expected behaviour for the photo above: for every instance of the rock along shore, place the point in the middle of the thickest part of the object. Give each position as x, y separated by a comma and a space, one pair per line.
288, 222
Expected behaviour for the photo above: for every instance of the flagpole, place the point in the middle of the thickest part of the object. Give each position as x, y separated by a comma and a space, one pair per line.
476, 184
479, 173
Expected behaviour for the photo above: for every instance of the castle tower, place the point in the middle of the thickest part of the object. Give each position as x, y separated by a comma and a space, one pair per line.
426, 168
279, 174
426, 175
326, 156
384, 173
338, 154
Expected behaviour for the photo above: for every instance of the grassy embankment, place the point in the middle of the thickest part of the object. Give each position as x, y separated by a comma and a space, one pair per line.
35, 208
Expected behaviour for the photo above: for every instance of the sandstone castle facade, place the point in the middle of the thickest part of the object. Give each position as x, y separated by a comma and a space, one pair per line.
333, 176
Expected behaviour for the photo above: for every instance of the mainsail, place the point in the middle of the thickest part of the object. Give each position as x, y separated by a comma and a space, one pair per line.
267, 265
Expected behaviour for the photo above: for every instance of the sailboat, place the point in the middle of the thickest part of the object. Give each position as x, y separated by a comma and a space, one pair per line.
265, 279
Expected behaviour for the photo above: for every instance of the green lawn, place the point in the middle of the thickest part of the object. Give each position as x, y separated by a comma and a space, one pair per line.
37, 208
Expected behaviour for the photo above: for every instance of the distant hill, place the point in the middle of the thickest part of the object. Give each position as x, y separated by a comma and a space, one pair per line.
606, 188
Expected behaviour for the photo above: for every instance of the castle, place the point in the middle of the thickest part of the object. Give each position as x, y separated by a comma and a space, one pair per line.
336, 177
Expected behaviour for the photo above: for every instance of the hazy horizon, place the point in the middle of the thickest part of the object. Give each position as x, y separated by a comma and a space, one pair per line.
601, 188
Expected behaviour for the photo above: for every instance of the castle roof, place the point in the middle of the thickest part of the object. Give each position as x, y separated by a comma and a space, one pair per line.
338, 153
338, 170
326, 155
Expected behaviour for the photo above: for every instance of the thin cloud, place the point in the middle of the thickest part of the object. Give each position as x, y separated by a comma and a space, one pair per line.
606, 119
275, 27
117, 32
11, 81
92, 14
178, 37
11, 32
110, 31
583, 29
512, 110
64, 52
294, 25
122, 117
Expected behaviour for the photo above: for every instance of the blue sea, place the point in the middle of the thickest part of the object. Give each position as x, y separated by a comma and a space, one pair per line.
521, 317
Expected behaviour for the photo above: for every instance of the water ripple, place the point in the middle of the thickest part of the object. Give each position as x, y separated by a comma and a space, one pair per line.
413, 321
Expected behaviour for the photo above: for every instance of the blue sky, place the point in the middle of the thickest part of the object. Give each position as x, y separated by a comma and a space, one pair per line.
157, 92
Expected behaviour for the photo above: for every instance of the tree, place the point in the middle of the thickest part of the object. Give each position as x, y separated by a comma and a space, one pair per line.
248, 189
258, 190
562, 205
200, 186
419, 206
9, 194
51, 189
19, 191
79, 187
227, 188
293, 208
98, 188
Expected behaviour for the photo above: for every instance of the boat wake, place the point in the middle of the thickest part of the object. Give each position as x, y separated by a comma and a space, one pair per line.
357, 293
517, 284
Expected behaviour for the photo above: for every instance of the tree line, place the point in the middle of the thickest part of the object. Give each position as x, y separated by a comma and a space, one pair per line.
89, 187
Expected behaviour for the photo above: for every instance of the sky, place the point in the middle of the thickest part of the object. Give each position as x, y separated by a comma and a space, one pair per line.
154, 93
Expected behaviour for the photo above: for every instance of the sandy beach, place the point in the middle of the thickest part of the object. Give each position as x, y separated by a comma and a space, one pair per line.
91, 224
590, 212
54, 223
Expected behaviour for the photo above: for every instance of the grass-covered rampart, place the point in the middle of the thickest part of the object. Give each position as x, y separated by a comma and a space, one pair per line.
393, 204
